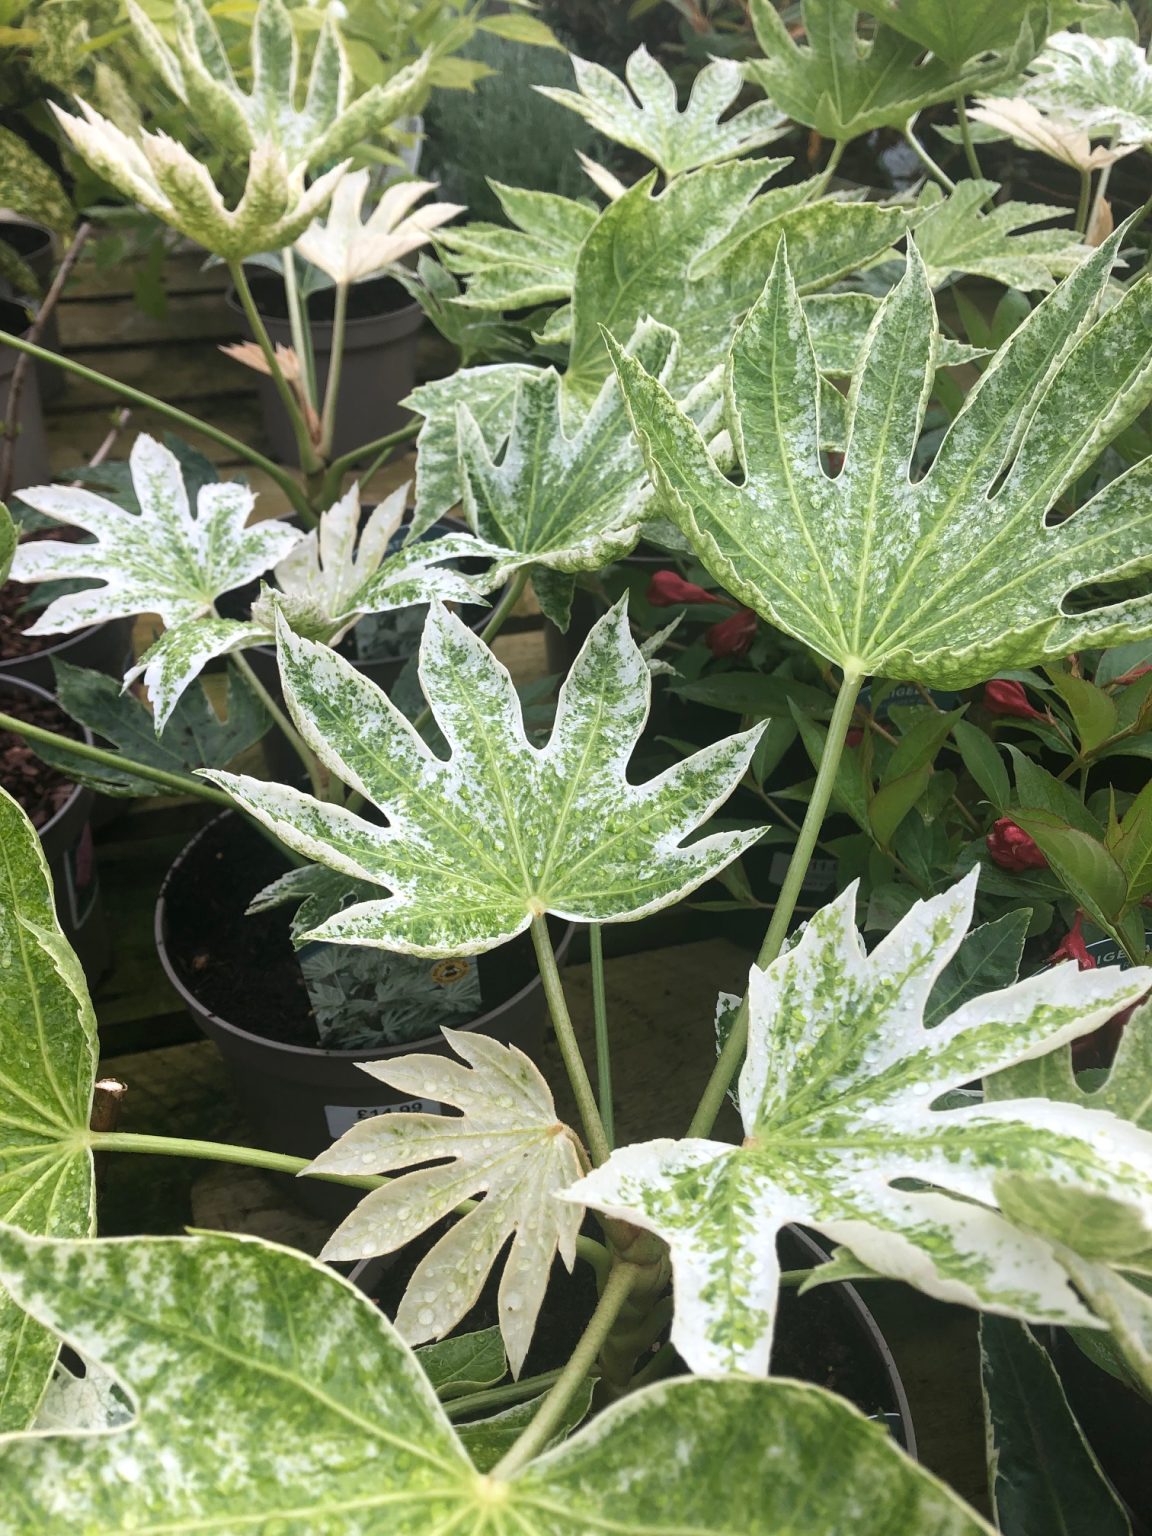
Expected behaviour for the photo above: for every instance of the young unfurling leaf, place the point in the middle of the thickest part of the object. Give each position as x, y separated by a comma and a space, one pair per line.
841, 1135
500, 832
506, 1144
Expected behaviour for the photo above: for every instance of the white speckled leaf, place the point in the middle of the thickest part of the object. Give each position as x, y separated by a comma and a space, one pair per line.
271, 1396
837, 1096
533, 263
958, 32
839, 323
165, 560
954, 235
47, 1068
1100, 85
952, 578
507, 1144
843, 86
648, 119
501, 831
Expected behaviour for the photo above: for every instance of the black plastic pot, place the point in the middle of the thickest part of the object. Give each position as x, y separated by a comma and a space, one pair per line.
36, 246
31, 467
378, 370
67, 842
99, 647
298, 1099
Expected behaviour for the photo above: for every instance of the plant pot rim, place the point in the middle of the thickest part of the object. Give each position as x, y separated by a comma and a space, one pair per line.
9, 680
10, 665
308, 1052
401, 315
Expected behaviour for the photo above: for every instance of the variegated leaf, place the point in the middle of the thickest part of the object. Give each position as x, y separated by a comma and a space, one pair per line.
268, 1393
47, 1069
839, 325
165, 560
1025, 124
957, 33
957, 576
349, 248
954, 234
844, 85
837, 1096
7, 542
648, 119
532, 263
506, 1144
1099, 85
500, 832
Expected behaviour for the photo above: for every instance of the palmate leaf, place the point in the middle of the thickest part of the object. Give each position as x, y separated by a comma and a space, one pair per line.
165, 560
648, 119
321, 1421
47, 1069
953, 578
954, 234
1099, 85
957, 33
836, 1096
532, 263
500, 832
507, 1144
843, 85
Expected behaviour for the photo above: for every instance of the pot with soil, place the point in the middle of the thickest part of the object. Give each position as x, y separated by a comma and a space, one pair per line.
270, 1009
379, 364
31, 465
31, 658
35, 244
59, 810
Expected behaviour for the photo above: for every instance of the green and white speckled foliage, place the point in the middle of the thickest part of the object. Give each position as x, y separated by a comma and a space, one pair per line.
955, 577
7, 541
955, 32
1099, 85
843, 85
837, 1096
954, 234
532, 263
165, 560
313, 127
508, 1144
48, 1055
500, 832
648, 119
322, 1424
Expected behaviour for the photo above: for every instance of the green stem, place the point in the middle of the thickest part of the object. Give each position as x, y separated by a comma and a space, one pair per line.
728, 1062
177, 783
574, 1374
966, 139
603, 1044
1101, 189
381, 446
499, 1397
308, 459
569, 1046
825, 176
1085, 202
301, 332
335, 368
927, 161
317, 776
274, 472
512, 595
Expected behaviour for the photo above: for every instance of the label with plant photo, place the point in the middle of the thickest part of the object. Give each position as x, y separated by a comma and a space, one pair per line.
368, 998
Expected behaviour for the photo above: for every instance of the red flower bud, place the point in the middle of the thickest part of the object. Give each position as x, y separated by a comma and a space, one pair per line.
732, 637
667, 588
1012, 848
1073, 947
1130, 677
854, 737
1002, 697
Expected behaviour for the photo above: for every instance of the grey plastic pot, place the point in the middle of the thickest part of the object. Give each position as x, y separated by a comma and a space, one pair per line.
298, 1099
99, 647
31, 467
378, 371
36, 246
67, 842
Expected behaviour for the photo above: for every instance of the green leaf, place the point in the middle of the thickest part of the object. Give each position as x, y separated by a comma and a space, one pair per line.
1093, 711
194, 737
469, 1362
840, 1135
487, 1440
165, 560
1042, 1473
48, 1047
532, 263
31, 188
7, 542
501, 831
952, 578
507, 1144
844, 86
987, 960
852, 788
982, 759
648, 119
954, 234
957, 33
1039, 790
521, 29
270, 1338
1092, 876
1132, 846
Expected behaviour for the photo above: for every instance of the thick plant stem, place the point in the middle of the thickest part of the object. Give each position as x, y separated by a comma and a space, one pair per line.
378, 445
297, 322
603, 1045
317, 776
583, 1358
335, 368
825, 176
275, 472
569, 1045
729, 1059
927, 161
308, 459
177, 783
1085, 203
966, 139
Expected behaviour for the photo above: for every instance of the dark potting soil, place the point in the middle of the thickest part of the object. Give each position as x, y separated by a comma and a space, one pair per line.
244, 968
39, 790
14, 642
379, 296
